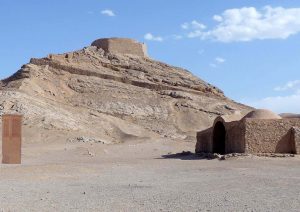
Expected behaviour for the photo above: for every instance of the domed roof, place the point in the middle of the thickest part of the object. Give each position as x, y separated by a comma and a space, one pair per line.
262, 114
289, 115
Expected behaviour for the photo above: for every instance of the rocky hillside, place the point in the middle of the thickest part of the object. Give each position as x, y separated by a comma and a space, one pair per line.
110, 97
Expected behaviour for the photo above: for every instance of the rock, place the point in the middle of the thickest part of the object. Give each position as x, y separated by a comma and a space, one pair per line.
222, 157
91, 154
86, 140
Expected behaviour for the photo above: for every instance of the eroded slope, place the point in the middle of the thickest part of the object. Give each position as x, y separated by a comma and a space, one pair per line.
112, 97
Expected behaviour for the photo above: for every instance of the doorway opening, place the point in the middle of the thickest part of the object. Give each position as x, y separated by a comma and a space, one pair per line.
219, 135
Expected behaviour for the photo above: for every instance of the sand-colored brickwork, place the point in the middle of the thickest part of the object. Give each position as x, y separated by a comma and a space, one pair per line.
11, 139
259, 131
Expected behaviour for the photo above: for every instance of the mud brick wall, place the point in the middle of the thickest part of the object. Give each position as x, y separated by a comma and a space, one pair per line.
204, 141
122, 46
11, 139
270, 136
235, 137
296, 138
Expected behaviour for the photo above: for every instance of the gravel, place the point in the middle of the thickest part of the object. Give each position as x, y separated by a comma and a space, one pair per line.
136, 177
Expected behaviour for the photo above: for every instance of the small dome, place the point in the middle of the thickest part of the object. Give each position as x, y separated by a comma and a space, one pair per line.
289, 115
262, 114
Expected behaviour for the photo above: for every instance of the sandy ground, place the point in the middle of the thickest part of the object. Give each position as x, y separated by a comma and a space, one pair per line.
136, 176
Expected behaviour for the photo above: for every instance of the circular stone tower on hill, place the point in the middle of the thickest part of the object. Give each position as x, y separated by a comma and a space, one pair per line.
122, 46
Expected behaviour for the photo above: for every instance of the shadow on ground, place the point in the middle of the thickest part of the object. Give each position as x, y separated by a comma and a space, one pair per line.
185, 156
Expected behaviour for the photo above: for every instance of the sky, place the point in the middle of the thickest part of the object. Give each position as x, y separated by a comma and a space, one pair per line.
249, 49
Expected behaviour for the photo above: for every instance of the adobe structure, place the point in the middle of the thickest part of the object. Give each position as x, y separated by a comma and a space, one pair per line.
260, 131
11, 138
121, 46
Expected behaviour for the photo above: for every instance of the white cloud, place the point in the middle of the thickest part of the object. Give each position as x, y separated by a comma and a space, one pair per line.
185, 26
279, 104
289, 85
289, 103
151, 37
220, 60
218, 18
177, 37
217, 62
195, 34
108, 12
213, 65
248, 23
195, 25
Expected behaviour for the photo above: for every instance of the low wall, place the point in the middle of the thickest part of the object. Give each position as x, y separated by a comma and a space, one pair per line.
270, 136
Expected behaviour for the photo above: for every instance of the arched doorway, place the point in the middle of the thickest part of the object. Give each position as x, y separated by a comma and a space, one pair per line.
219, 135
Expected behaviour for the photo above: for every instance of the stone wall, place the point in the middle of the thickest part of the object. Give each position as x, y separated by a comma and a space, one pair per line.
204, 141
235, 137
122, 46
296, 138
270, 136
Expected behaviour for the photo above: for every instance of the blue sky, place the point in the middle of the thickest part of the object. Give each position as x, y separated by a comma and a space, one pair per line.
249, 49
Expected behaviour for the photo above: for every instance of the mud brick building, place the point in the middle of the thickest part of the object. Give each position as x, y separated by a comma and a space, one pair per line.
260, 131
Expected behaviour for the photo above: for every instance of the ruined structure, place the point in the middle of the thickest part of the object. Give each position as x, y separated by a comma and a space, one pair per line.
122, 46
260, 131
11, 139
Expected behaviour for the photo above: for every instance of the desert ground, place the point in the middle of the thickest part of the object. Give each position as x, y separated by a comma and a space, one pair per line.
145, 175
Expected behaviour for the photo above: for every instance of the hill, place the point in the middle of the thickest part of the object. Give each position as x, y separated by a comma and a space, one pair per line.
111, 92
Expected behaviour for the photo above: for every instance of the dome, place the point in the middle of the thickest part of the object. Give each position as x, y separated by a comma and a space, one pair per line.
262, 114
289, 115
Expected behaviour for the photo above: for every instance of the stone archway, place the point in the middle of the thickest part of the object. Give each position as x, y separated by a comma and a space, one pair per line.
219, 136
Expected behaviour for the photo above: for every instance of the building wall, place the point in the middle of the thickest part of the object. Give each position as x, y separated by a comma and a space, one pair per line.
122, 46
269, 136
235, 137
11, 139
234, 140
204, 141
296, 138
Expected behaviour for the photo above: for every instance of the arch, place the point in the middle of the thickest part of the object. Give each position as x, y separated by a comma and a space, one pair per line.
219, 137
